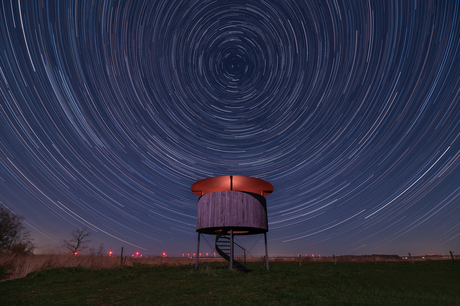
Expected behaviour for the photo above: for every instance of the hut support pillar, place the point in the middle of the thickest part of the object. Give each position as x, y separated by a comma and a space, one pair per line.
266, 251
231, 249
198, 251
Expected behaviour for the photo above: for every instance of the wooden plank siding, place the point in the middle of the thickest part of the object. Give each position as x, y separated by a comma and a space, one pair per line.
243, 211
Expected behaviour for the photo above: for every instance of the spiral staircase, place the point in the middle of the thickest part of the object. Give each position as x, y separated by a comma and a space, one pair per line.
223, 248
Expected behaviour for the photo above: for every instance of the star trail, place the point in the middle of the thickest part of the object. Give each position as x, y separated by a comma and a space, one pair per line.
111, 110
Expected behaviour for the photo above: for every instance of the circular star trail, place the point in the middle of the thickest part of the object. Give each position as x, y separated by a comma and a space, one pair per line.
111, 110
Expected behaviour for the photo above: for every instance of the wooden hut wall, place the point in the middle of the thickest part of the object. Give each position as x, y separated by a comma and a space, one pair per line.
232, 209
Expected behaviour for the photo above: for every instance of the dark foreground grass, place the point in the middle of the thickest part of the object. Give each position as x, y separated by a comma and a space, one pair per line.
382, 283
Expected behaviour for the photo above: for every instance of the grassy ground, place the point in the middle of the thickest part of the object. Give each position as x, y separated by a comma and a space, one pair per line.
381, 283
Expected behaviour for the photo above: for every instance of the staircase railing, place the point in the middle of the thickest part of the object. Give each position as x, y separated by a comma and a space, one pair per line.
239, 253
223, 248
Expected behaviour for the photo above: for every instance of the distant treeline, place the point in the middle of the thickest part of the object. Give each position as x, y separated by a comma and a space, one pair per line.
363, 258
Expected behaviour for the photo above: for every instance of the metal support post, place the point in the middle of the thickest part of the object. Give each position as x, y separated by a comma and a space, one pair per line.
266, 250
198, 251
231, 249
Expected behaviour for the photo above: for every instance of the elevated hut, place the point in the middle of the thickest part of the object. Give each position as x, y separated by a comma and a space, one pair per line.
228, 206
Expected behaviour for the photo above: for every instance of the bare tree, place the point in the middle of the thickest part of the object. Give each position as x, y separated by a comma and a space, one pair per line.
78, 240
100, 251
14, 237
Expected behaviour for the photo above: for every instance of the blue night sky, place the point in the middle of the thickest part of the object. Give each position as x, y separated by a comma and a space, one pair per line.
111, 110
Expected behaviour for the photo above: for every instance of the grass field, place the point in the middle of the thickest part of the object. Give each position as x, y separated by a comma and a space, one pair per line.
286, 283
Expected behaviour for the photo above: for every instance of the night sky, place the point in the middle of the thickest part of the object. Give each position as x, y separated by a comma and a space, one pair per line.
111, 110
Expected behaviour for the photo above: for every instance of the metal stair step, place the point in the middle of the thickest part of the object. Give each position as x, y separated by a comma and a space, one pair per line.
223, 247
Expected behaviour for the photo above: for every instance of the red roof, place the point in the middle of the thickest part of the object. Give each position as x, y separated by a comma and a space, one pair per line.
232, 182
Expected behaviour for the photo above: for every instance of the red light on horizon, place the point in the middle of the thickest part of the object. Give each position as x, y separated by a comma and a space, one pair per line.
75, 253
164, 254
